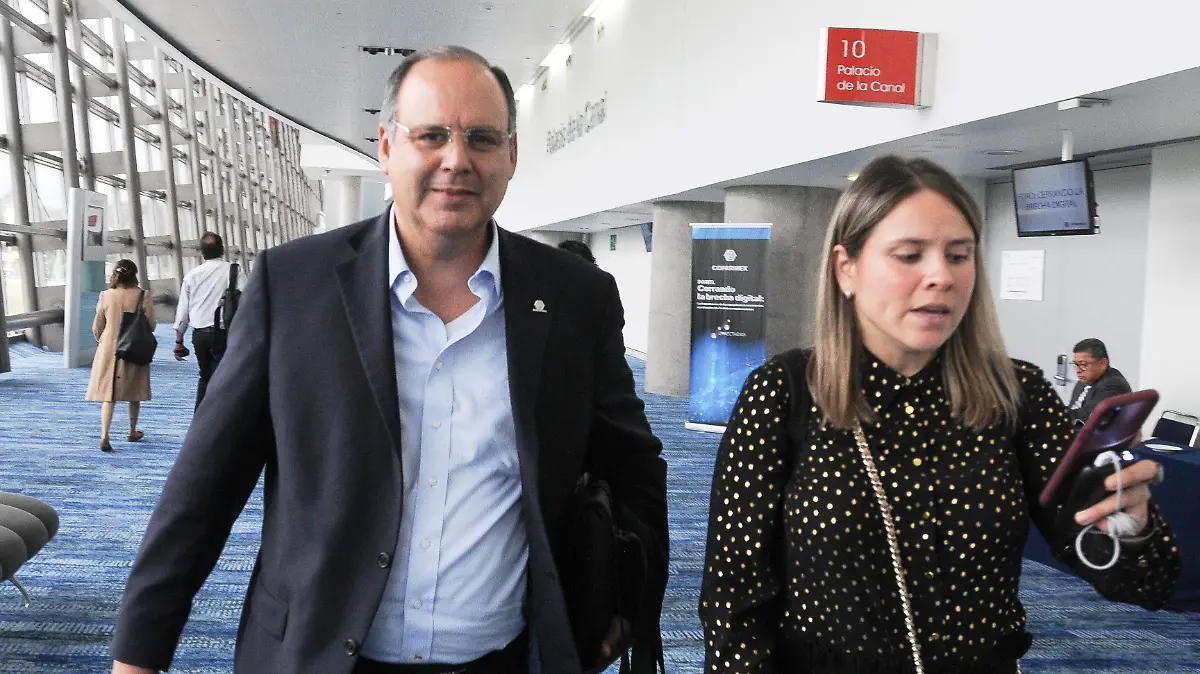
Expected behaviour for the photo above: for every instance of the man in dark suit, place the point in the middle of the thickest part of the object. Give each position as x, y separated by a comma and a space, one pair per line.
1097, 379
422, 391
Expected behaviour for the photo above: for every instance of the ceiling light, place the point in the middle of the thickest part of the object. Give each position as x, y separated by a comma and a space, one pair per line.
851, 177
593, 8
1002, 153
557, 56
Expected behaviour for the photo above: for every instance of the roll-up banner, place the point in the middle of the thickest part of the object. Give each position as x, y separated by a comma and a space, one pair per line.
729, 317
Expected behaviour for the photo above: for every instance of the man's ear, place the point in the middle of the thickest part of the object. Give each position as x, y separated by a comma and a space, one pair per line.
384, 151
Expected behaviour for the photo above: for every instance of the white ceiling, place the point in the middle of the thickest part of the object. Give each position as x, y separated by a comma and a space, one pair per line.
1139, 115
303, 58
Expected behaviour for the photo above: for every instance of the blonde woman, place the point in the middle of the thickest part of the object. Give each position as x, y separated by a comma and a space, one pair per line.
112, 379
872, 496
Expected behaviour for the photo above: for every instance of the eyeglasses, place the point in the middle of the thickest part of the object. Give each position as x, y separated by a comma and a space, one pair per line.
1083, 364
481, 139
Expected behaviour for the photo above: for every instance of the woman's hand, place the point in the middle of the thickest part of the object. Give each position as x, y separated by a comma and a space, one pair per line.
1135, 496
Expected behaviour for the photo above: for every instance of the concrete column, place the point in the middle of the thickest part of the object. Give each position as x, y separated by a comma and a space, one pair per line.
798, 218
195, 154
350, 206
62, 95
83, 133
373, 200
167, 146
217, 173
668, 352
239, 221
133, 181
20, 192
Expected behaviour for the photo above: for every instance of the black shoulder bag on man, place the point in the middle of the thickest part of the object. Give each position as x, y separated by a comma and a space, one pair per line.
226, 308
607, 573
135, 338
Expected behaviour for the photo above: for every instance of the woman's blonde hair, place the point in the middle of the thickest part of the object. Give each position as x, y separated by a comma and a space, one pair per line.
978, 374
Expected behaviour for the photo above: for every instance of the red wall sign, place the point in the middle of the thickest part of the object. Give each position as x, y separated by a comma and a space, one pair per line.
865, 66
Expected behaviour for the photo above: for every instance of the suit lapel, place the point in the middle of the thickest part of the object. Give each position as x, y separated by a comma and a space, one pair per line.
363, 281
528, 309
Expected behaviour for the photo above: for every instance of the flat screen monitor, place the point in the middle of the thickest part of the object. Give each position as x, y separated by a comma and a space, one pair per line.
1055, 199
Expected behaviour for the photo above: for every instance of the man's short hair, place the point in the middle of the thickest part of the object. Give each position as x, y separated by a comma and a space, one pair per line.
1093, 347
387, 110
579, 248
211, 246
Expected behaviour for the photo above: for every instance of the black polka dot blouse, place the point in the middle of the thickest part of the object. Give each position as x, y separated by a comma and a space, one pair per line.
798, 575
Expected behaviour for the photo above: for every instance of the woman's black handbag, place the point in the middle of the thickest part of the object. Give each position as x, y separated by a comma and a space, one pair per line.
136, 342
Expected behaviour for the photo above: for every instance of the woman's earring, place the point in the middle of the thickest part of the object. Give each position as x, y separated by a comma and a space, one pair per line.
849, 294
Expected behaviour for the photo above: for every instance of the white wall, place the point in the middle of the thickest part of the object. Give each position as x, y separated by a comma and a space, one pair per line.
1094, 285
1172, 286
702, 91
630, 265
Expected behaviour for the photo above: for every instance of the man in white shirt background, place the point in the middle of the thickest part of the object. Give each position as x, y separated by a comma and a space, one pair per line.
199, 297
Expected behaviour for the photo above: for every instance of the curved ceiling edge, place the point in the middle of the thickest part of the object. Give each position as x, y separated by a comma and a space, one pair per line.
147, 28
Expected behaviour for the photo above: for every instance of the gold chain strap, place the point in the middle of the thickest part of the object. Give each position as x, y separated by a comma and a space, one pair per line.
894, 545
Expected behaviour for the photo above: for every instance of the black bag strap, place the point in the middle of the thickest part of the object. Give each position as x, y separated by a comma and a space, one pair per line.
141, 297
233, 274
795, 362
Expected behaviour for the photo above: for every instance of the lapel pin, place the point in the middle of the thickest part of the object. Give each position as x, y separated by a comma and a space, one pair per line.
539, 307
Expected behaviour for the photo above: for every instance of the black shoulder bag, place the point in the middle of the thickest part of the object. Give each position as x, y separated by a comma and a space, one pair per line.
226, 308
136, 342
795, 362
606, 573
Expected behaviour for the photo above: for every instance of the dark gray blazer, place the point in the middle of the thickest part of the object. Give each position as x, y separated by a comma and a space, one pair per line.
1111, 383
307, 394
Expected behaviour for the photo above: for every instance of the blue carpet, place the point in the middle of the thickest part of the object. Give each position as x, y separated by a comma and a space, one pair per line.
48, 449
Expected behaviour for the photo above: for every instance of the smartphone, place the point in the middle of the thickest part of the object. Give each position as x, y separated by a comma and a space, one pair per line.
1112, 426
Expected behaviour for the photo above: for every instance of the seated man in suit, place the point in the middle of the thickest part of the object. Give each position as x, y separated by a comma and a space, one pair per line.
421, 391
1097, 379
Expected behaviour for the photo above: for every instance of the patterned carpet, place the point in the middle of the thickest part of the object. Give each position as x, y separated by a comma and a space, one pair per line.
48, 449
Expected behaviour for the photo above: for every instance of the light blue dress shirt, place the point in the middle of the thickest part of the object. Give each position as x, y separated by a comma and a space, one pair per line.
457, 584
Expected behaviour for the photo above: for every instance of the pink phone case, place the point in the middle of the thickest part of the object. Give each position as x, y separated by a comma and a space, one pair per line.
1113, 424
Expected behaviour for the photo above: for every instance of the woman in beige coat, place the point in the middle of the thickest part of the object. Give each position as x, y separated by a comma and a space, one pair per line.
112, 379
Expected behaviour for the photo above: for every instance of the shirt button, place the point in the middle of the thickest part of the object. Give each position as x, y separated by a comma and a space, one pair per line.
425, 544
384, 559
438, 365
437, 424
417, 604
433, 482
351, 647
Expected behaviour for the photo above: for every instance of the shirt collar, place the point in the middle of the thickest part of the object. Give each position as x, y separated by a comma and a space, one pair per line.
881, 384
485, 282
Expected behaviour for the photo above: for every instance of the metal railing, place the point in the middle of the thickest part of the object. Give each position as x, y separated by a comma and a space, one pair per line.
34, 319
